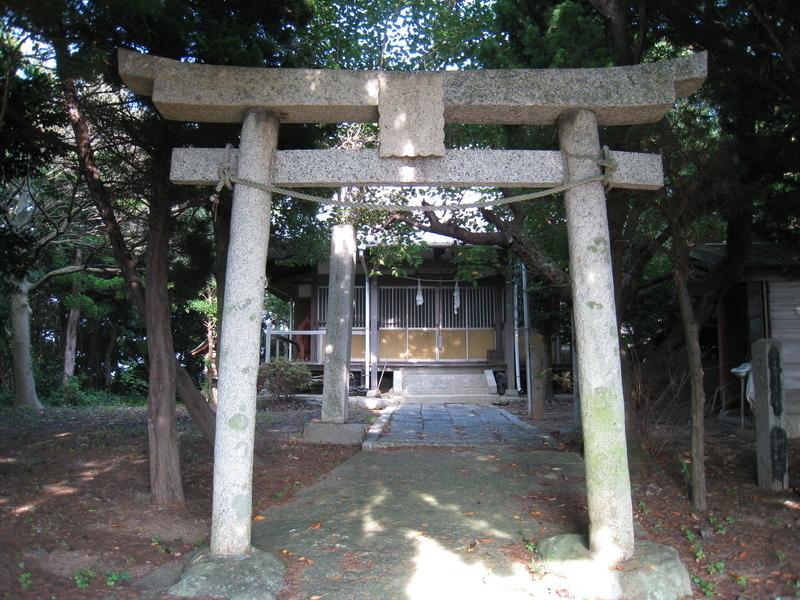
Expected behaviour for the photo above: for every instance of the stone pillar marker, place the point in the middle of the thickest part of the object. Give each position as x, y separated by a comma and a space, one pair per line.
596, 332
536, 382
334, 428
772, 453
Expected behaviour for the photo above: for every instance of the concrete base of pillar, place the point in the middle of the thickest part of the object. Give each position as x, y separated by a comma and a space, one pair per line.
258, 575
344, 434
654, 573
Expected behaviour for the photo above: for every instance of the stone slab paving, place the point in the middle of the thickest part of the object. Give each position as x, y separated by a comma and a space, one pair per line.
421, 524
408, 425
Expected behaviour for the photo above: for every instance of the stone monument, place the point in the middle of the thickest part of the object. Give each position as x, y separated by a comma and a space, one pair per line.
411, 110
772, 451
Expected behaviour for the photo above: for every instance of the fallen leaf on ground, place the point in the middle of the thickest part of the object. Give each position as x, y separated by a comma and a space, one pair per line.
259, 518
316, 525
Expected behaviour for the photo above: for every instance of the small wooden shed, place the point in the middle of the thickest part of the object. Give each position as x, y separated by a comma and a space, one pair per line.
765, 304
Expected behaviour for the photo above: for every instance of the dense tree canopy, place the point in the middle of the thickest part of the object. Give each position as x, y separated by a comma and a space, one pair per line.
731, 151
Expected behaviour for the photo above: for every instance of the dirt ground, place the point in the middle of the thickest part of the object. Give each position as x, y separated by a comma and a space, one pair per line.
76, 521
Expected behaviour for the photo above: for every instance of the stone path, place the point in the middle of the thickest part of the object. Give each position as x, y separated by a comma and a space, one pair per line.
422, 524
408, 425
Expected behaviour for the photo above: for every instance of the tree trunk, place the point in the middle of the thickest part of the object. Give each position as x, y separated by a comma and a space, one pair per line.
162, 419
547, 367
70, 345
196, 404
71, 333
616, 17
112, 342
211, 361
24, 385
102, 200
98, 191
637, 454
698, 398
165, 472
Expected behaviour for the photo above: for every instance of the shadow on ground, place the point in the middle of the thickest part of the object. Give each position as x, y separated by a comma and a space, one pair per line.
417, 524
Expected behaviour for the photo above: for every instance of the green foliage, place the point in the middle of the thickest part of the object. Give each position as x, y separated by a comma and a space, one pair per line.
77, 394
25, 578
14, 247
543, 34
84, 577
530, 545
697, 549
30, 119
283, 378
425, 34
277, 311
206, 303
707, 587
395, 258
547, 311
113, 577
714, 568
474, 262
297, 236
132, 377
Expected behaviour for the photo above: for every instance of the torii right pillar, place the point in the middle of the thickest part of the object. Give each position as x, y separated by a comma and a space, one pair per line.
597, 339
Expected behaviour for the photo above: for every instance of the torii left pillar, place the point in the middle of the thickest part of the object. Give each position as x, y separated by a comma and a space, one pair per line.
231, 558
240, 338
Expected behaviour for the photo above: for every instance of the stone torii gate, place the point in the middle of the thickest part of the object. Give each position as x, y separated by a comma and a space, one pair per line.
411, 110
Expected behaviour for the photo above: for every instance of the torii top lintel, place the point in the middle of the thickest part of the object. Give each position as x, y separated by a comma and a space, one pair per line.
418, 101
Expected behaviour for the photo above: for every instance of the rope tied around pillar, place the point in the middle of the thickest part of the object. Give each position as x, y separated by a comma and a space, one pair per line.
227, 178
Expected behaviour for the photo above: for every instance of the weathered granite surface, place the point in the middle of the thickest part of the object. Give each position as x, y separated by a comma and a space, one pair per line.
220, 94
255, 575
339, 324
655, 573
411, 114
597, 336
457, 168
240, 339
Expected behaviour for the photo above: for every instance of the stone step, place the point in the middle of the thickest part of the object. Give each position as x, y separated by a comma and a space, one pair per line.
443, 380
454, 381
452, 391
449, 399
